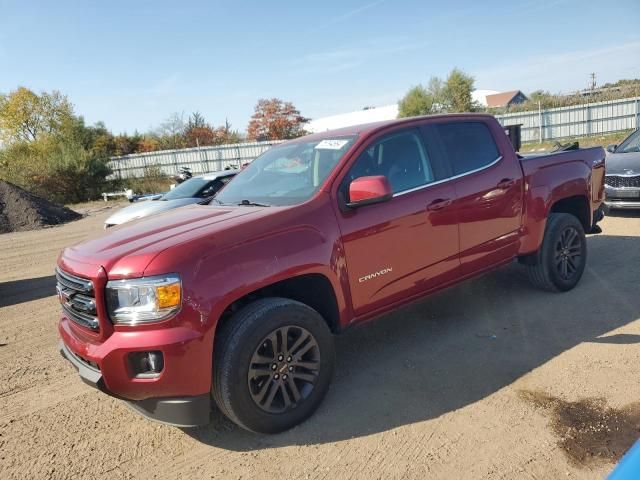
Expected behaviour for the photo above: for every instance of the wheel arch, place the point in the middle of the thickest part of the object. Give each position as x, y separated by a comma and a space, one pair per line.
313, 289
578, 206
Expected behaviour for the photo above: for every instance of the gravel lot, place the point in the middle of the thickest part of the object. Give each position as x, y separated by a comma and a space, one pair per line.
491, 379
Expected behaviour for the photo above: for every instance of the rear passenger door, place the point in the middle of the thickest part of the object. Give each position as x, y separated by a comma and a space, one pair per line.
488, 187
408, 244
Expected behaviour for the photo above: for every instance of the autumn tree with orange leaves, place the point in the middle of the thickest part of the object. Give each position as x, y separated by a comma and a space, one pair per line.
275, 119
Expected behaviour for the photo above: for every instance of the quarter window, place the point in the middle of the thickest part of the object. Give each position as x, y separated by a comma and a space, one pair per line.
468, 145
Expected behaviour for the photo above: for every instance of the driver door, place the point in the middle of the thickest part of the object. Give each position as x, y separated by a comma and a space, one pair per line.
409, 244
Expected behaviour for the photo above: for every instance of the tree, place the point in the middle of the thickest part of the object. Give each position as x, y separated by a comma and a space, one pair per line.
171, 132
125, 145
198, 132
196, 120
452, 95
458, 88
417, 101
57, 167
149, 143
200, 136
25, 115
50, 151
437, 90
275, 119
225, 135
74, 174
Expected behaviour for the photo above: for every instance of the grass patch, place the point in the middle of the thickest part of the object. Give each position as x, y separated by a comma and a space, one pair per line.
591, 141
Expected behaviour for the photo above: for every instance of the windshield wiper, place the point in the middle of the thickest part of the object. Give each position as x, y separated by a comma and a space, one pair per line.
208, 200
249, 203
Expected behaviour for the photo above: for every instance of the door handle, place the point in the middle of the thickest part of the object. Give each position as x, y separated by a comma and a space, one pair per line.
506, 183
439, 204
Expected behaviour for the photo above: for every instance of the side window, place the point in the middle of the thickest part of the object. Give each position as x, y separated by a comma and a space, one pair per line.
631, 144
467, 145
211, 188
400, 157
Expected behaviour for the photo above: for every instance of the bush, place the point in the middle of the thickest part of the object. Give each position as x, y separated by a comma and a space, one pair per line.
153, 181
55, 169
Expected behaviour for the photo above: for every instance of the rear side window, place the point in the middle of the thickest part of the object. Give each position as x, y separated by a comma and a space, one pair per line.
468, 145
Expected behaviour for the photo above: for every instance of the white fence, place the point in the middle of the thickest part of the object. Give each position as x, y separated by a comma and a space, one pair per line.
199, 160
576, 121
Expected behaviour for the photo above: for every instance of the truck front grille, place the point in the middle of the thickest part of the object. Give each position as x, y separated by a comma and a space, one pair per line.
618, 181
78, 299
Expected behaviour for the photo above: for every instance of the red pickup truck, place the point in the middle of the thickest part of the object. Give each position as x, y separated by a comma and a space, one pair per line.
236, 300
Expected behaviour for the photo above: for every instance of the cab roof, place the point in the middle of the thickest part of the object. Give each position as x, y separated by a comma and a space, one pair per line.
368, 128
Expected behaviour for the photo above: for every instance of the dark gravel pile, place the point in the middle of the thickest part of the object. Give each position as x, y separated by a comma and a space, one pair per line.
21, 210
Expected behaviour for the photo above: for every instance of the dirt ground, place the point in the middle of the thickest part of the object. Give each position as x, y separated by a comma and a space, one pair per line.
491, 379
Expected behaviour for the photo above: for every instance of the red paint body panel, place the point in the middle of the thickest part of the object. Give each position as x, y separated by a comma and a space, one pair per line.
403, 248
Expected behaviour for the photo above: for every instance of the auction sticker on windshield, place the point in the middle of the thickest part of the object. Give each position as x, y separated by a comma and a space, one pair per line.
331, 144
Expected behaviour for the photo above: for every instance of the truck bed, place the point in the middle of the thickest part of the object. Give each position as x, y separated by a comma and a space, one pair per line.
591, 158
562, 175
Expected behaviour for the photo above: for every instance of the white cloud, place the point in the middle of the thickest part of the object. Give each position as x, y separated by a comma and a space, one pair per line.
357, 11
166, 86
348, 15
347, 58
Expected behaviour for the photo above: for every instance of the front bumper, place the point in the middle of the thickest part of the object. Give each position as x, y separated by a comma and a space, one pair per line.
622, 204
179, 396
623, 198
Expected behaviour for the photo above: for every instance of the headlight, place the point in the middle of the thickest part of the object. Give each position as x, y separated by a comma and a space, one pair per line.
142, 300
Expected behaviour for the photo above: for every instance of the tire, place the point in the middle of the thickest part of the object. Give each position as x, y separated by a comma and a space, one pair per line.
560, 262
247, 348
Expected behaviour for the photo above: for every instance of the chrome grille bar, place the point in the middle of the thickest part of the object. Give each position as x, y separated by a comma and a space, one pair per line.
81, 318
75, 283
77, 298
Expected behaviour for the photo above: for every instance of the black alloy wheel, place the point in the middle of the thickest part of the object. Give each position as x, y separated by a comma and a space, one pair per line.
568, 253
560, 262
273, 363
284, 369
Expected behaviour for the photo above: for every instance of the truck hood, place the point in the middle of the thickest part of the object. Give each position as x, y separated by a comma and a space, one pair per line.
623, 163
125, 251
146, 208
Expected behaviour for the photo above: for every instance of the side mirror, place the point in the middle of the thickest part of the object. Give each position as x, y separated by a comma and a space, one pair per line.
612, 148
368, 190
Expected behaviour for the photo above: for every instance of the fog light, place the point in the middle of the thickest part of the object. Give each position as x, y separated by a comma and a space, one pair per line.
146, 364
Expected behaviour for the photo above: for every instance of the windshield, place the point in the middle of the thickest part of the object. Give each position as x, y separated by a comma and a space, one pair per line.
187, 189
286, 175
631, 144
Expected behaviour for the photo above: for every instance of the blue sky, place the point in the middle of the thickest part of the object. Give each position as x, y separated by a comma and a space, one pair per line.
133, 63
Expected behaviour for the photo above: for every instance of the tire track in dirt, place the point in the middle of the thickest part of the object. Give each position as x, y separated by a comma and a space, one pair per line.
400, 419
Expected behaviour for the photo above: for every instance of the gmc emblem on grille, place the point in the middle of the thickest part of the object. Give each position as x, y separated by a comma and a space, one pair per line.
63, 294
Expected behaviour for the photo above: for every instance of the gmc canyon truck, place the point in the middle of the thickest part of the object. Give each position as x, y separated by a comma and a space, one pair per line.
235, 301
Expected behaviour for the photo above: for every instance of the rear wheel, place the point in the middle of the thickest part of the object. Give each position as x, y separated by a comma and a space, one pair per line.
560, 262
273, 365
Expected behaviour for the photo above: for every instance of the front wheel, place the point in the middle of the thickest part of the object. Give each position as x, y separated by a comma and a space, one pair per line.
560, 262
273, 364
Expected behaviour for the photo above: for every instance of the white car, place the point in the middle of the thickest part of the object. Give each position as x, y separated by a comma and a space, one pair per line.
191, 191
